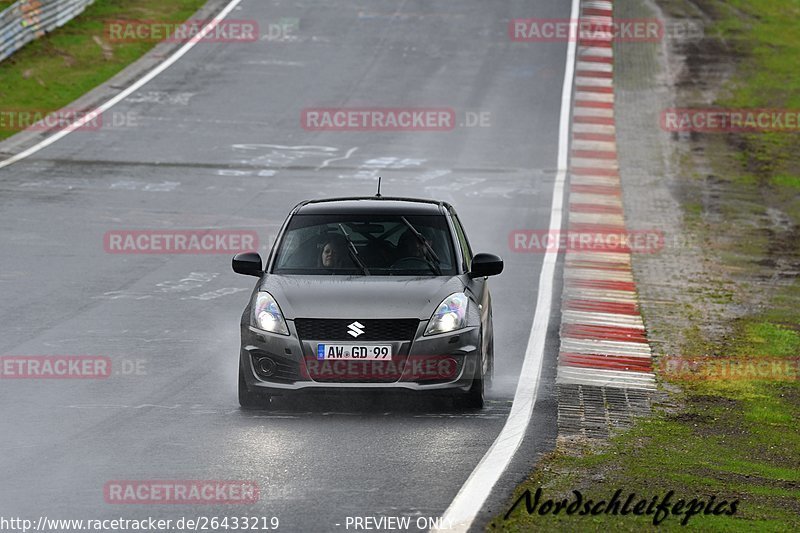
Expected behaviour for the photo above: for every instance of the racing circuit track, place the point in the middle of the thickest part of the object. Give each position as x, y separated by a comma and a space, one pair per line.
218, 143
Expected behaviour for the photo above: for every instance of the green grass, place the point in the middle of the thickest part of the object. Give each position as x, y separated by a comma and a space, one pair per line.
791, 182
766, 339
734, 449
765, 32
53, 71
735, 439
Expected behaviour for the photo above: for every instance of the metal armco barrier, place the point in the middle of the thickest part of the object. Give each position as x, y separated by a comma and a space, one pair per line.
28, 20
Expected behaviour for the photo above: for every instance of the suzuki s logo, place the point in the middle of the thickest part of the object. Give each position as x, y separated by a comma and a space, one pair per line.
355, 329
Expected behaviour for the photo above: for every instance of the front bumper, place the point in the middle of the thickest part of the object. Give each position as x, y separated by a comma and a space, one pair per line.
437, 363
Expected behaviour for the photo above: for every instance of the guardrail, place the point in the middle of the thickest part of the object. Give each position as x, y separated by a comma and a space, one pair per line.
28, 20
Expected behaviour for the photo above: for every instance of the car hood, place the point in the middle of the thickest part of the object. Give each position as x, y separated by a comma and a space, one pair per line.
359, 296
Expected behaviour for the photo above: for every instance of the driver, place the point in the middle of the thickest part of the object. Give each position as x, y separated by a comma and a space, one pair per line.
332, 255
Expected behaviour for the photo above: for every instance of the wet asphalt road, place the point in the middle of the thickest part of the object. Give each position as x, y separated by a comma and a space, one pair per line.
217, 143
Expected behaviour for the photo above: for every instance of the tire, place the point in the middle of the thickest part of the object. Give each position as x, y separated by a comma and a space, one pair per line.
250, 400
490, 374
473, 398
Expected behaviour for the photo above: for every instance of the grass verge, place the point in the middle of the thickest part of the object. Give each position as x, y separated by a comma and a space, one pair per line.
58, 68
734, 437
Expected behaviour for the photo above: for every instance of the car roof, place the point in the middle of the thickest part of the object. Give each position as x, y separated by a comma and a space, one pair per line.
372, 205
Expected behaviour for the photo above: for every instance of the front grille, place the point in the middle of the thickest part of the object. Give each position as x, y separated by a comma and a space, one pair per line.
314, 329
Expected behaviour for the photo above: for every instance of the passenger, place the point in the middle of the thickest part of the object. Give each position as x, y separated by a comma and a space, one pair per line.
410, 246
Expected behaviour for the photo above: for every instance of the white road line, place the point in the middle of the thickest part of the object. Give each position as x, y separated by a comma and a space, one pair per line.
595, 82
601, 295
605, 146
595, 199
600, 67
592, 318
127, 92
597, 51
598, 35
608, 181
610, 164
594, 112
594, 274
594, 97
606, 378
597, 346
327, 162
600, 4
473, 494
598, 218
607, 257
605, 129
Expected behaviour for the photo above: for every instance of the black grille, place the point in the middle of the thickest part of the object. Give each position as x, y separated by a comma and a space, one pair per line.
374, 330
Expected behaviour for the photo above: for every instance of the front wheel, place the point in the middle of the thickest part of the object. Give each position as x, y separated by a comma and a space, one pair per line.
474, 398
250, 400
490, 373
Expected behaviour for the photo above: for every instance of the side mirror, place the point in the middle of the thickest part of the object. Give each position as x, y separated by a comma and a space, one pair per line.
484, 265
248, 264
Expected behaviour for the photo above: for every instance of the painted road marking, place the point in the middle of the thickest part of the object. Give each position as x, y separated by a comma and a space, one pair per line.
606, 378
607, 362
473, 494
595, 180
604, 129
604, 67
586, 81
610, 347
603, 290
147, 78
596, 51
602, 319
594, 97
604, 112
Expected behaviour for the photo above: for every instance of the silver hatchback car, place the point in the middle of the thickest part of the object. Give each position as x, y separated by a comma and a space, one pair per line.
368, 293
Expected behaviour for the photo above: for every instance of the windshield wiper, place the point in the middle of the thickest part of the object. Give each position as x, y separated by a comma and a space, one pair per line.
430, 253
354, 252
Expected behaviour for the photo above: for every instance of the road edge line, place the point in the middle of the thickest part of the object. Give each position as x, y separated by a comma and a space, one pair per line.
470, 499
141, 82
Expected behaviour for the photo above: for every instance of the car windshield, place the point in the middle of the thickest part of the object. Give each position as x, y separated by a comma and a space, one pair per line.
375, 245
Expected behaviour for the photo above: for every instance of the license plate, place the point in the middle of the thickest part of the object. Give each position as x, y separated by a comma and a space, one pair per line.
354, 352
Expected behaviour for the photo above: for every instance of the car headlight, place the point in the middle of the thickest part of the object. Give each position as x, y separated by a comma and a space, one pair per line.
451, 315
267, 315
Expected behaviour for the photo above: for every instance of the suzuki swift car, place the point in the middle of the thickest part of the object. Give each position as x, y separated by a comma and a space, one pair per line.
368, 293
